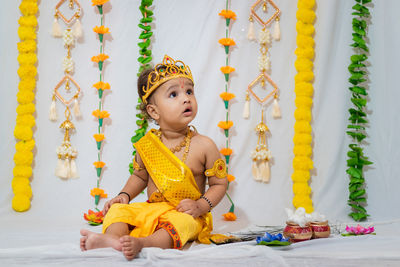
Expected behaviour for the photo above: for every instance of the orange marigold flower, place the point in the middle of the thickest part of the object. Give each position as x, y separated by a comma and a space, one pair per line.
101, 29
231, 178
98, 137
101, 85
99, 2
228, 14
227, 69
227, 96
230, 216
226, 41
99, 164
99, 57
226, 151
225, 124
98, 192
100, 114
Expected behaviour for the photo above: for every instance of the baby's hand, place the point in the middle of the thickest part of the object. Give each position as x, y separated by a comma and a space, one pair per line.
123, 199
190, 207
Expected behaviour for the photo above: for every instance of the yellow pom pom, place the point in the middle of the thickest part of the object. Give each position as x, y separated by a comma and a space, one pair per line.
27, 58
26, 120
26, 33
28, 8
300, 176
305, 28
22, 171
19, 180
308, 4
23, 158
301, 189
302, 150
302, 201
22, 188
302, 114
304, 89
304, 76
25, 145
305, 52
303, 64
302, 127
302, 163
26, 46
27, 71
304, 41
305, 15
21, 203
303, 102
23, 132
26, 109
25, 97
29, 21
302, 139
27, 84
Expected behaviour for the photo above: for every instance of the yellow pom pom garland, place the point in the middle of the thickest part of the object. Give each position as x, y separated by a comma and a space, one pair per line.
25, 120
302, 163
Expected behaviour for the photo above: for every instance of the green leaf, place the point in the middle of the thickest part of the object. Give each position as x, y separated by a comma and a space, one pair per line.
361, 199
145, 27
146, 20
366, 162
365, 1
358, 216
358, 127
352, 162
356, 148
360, 31
358, 181
358, 58
359, 102
356, 135
352, 154
357, 194
144, 44
357, 173
145, 35
358, 90
354, 187
358, 207
353, 66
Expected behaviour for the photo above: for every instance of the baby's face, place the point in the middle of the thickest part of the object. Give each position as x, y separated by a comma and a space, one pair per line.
176, 103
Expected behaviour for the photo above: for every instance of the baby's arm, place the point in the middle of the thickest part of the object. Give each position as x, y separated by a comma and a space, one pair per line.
217, 186
136, 183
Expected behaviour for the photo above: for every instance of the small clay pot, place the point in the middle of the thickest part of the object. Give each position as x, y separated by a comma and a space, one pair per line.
296, 233
320, 229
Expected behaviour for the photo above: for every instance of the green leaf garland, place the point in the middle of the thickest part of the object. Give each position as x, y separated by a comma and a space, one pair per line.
356, 129
144, 59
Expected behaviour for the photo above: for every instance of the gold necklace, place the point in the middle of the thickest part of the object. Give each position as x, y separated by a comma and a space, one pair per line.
185, 143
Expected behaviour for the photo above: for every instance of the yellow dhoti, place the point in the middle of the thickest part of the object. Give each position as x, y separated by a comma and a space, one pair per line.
175, 182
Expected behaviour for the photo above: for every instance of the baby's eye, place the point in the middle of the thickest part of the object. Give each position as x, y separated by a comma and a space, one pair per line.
172, 95
189, 92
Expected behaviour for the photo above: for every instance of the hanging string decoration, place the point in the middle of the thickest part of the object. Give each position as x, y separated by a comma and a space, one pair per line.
356, 128
302, 162
144, 61
25, 120
226, 96
100, 114
261, 155
66, 153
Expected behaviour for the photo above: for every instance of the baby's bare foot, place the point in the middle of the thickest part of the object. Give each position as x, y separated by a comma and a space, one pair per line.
131, 246
91, 240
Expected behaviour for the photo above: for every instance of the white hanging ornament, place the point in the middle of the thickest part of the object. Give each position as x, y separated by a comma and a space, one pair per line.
73, 168
68, 37
276, 110
264, 37
56, 29
59, 167
264, 63
250, 33
77, 29
277, 30
53, 110
246, 109
68, 64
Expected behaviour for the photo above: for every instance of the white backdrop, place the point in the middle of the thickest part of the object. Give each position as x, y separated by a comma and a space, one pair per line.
190, 30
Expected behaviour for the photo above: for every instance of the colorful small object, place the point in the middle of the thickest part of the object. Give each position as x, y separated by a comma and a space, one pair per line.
296, 233
94, 218
359, 230
272, 240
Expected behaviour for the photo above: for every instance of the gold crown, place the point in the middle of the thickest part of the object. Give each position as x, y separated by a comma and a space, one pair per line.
165, 71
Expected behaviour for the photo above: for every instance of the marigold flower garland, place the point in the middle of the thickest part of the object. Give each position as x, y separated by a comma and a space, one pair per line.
25, 120
226, 96
302, 163
356, 157
144, 60
99, 113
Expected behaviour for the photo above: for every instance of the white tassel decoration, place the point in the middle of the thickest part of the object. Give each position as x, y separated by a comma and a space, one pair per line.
63, 171
59, 168
77, 29
246, 109
276, 110
74, 171
56, 30
277, 31
250, 34
265, 173
53, 110
77, 111
67, 168
255, 171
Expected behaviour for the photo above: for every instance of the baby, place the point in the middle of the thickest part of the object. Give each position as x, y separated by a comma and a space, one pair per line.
173, 162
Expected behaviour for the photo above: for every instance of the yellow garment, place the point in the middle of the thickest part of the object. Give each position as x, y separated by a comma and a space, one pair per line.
175, 181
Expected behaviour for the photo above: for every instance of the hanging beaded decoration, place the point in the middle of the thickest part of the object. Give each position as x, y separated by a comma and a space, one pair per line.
66, 166
261, 155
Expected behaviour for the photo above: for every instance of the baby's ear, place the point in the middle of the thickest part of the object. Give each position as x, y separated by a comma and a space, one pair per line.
152, 111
